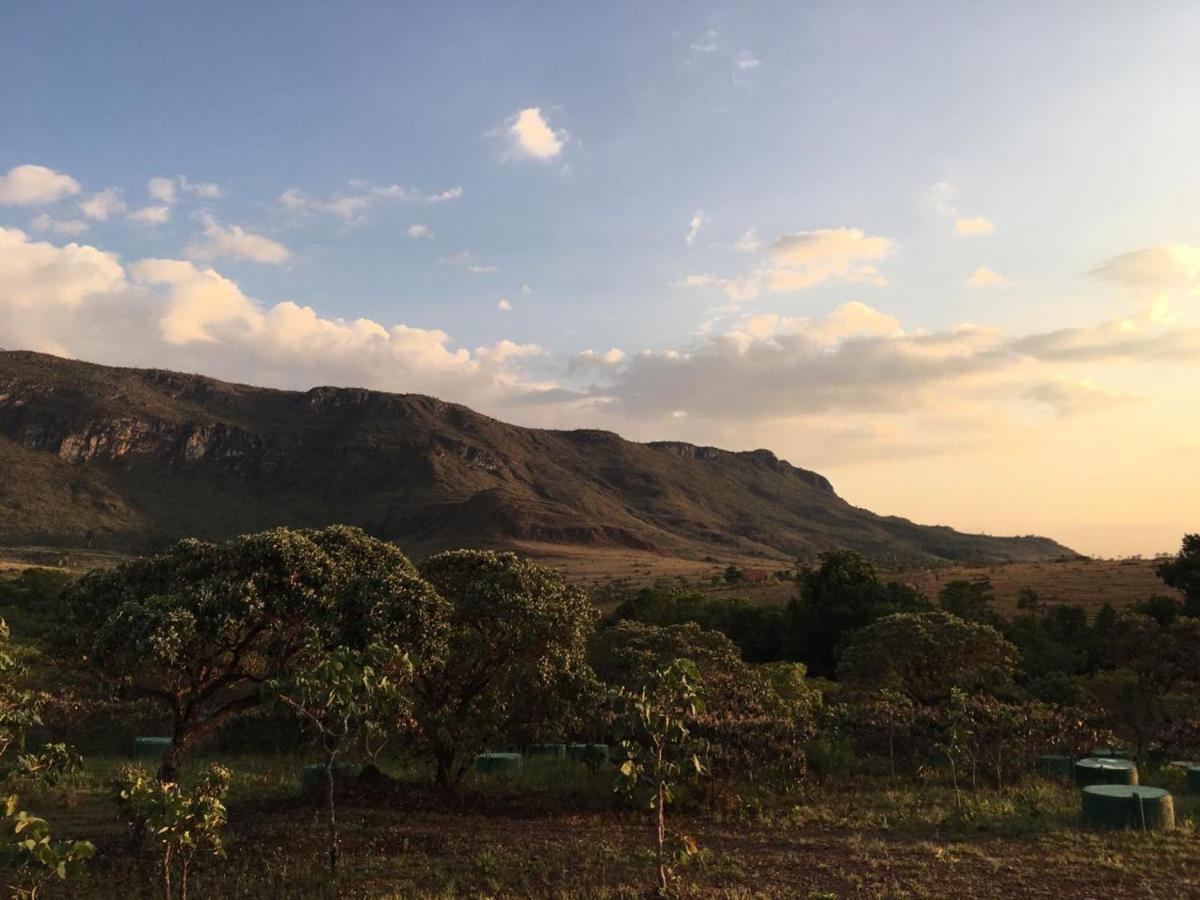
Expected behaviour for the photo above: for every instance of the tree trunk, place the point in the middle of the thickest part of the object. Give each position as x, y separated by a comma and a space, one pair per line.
662, 825
333, 834
166, 864
172, 758
662, 839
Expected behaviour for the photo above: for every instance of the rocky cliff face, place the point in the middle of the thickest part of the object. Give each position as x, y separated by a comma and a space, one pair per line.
131, 458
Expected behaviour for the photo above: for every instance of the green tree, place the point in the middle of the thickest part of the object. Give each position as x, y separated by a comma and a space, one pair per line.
515, 661
840, 595
755, 718
348, 697
925, 655
179, 822
1182, 572
29, 855
971, 600
659, 746
202, 627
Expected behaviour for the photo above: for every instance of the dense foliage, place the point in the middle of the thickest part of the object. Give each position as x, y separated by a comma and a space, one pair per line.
514, 669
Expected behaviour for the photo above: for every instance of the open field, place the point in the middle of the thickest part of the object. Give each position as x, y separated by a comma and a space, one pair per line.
556, 831
1087, 582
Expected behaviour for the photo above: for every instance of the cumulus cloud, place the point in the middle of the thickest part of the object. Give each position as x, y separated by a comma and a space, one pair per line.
504, 305
530, 136
975, 226
205, 190
590, 360
1155, 269
151, 215
419, 231
353, 206
706, 43
36, 274
802, 260
747, 60
46, 222
80, 301
234, 242
983, 277
103, 204
30, 185
699, 219
162, 190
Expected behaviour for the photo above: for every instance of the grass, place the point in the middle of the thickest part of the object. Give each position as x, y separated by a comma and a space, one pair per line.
558, 830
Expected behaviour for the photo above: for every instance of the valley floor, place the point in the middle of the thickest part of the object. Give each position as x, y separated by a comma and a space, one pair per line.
556, 831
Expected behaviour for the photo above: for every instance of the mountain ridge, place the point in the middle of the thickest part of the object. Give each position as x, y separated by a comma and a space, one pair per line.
129, 459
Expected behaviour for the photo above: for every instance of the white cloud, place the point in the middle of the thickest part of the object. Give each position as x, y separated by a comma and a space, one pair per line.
699, 219
530, 136
78, 301
802, 260
30, 185
462, 259
37, 274
419, 231
205, 190
162, 190
72, 227
1155, 269
976, 226
747, 60
526, 290
942, 194
748, 242
707, 43
352, 207
151, 215
587, 360
234, 242
983, 277
504, 305
103, 204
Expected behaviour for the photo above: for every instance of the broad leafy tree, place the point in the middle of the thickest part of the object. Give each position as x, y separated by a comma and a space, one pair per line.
514, 666
1182, 572
925, 655
840, 595
202, 627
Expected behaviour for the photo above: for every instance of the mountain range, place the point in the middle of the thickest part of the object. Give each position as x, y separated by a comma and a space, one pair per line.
129, 459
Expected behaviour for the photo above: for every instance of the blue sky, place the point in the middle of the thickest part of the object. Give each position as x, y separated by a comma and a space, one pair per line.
699, 187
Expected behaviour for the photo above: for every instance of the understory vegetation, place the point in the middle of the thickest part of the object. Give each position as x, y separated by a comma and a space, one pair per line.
333, 719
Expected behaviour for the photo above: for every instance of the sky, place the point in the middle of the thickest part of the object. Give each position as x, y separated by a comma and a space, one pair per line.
946, 254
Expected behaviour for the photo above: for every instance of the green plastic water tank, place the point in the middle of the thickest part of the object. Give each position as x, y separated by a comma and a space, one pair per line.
1193, 779
554, 751
499, 763
1105, 771
150, 747
1127, 806
1110, 753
